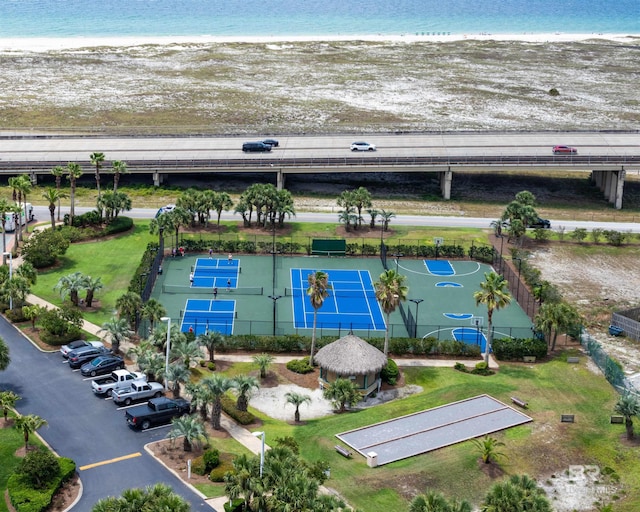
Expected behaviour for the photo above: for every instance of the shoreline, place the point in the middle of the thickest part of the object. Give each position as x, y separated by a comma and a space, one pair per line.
44, 44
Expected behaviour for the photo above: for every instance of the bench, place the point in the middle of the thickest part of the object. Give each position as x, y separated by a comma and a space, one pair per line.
573, 359
343, 451
567, 418
617, 419
519, 402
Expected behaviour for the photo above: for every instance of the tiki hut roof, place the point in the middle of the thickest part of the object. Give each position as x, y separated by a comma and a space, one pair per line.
350, 355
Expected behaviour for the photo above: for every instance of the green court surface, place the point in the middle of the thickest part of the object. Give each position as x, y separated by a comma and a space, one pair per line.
264, 305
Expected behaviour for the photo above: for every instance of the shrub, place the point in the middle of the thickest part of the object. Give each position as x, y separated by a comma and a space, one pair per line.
300, 365
198, 466
514, 349
461, 367
211, 459
43, 248
211, 366
26, 499
217, 473
118, 225
39, 467
390, 372
242, 417
578, 234
482, 368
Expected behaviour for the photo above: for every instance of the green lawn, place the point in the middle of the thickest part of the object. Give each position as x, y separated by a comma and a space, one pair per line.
114, 261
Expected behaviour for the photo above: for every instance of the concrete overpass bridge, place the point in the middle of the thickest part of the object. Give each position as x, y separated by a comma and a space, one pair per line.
608, 156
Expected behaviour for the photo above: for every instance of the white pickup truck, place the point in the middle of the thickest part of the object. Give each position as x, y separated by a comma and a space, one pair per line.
137, 390
117, 379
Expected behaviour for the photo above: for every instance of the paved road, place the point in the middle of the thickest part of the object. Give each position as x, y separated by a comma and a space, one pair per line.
82, 426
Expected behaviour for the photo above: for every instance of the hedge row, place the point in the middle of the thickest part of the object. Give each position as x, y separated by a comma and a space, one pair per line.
518, 348
26, 499
242, 417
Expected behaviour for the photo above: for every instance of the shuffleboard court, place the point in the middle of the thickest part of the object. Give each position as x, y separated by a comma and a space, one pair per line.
202, 316
439, 267
432, 429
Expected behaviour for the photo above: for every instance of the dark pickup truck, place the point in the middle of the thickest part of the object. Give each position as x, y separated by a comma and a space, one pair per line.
157, 411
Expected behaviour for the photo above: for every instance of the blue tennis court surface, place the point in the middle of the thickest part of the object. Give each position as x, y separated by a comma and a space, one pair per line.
351, 303
439, 267
219, 273
203, 315
471, 336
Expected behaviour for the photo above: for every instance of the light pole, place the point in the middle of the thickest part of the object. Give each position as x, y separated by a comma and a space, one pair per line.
397, 256
262, 436
10, 276
417, 303
519, 260
166, 363
274, 298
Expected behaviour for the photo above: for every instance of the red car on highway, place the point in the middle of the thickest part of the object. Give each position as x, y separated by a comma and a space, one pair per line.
564, 149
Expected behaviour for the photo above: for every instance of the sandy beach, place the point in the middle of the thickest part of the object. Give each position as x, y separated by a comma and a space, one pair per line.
44, 44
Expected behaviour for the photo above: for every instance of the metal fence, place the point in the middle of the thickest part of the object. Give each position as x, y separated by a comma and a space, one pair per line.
517, 286
628, 321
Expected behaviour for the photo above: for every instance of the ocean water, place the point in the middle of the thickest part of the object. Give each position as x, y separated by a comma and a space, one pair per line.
262, 18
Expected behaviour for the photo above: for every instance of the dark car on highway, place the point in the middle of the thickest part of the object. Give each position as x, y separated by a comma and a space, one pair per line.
83, 355
541, 223
101, 365
271, 142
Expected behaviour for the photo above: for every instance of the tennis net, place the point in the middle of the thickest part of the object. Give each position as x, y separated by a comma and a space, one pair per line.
356, 294
216, 271
200, 290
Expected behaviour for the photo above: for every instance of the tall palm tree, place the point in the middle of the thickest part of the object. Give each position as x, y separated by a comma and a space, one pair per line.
74, 172
629, 407
118, 331
244, 384
200, 398
92, 285
264, 361
52, 197
58, 172
185, 350
128, 305
217, 385
390, 291
297, 399
15, 290
209, 340
221, 201
243, 482
317, 291
153, 311
191, 429
28, 425
5, 209
554, 318
97, 159
118, 168
23, 186
493, 293
8, 400
178, 374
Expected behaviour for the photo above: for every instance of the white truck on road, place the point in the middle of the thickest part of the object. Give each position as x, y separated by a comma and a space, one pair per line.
10, 218
117, 379
137, 390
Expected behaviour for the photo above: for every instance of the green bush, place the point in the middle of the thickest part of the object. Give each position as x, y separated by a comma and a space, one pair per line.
482, 368
217, 473
242, 417
198, 466
300, 365
43, 248
515, 349
26, 499
211, 459
15, 315
390, 373
118, 225
211, 366
39, 467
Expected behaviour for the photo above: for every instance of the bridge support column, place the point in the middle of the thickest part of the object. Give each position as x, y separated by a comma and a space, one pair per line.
446, 177
280, 180
611, 184
157, 179
34, 178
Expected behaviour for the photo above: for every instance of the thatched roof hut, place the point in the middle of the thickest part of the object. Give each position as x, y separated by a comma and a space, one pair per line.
351, 358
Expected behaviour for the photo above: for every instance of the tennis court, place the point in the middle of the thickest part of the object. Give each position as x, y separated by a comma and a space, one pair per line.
351, 302
202, 316
431, 429
210, 273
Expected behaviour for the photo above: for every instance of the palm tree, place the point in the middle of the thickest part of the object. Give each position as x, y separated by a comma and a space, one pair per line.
128, 305
487, 446
118, 168
317, 291
92, 285
264, 361
515, 494
385, 218
8, 400
5, 209
118, 331
244, 384
97, 159
28, 425
494, 295
52, 197
628, 406
186, 350
342, 392
74, 171
362, 200
5, 358
297, 399
153, 311
200, 398
554, 318
15, 290
390, 291
191, 429
221, 201
433, 501
217, 385
177, 373
209, 340
23, 186
32, 313
243, 482
71, 285
58, 172
159, 497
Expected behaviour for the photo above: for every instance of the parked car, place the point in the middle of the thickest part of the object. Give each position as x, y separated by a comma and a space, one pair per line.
156, 411
83, 355
362, 146
117, 379
255, 147
101, 365
564, 149
137, 391
65, 349
541, 223
272, 142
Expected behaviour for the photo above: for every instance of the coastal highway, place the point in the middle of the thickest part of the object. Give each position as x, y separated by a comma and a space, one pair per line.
42, 214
